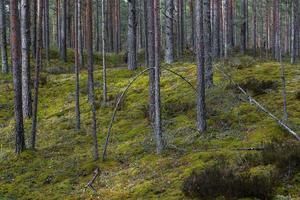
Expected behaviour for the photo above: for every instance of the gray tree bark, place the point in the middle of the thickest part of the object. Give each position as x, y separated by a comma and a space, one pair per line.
254, 27
157, 126
180, 28
294, 30
103, 54
169, 52
89, 45
77, 65
3, 42
46, 29
207, 43
201, 107
17, 78
25, 35
33, 27
131, 36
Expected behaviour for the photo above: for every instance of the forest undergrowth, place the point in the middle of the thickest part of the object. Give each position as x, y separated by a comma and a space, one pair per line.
244, 139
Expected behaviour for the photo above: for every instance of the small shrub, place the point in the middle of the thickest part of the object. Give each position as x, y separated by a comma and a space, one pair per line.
231, 182
258, 87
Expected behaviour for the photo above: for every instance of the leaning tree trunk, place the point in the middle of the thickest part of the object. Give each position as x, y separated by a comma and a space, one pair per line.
201, 110
17, 79
89, 45
207, 43
157, 126
132, 24
169, 52
25, 35
3, 37
39, 43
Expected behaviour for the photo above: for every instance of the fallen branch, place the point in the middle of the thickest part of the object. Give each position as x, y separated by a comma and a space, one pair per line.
90, 183
252, 101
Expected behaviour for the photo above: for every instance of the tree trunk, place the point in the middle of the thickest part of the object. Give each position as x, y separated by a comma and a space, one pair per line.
146, 31
201, 110
46, 29
25, 35
63, 35
97, 26
226, 29
180, 28
294, 30
104, 54
17, 79
207, 43
89, 45
169, 52
3, 42
33, 27
132, 24
151, 59
243, 27
39, 42
216, 43
277, 29
254, 28
157, 126
77, 63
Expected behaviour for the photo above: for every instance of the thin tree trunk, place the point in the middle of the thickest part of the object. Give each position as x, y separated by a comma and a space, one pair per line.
277, 30
25, 34
169, 52
151, 59
17, 77
131, 36
89, 44
294, 30
207, 43
226, 28
77, 63
39, 42
157, 126
3, 42
254, 27
146, 31
243, 27
104, 54
33, 27
180, 28
216, 44
63, 35
201, 108
46, 29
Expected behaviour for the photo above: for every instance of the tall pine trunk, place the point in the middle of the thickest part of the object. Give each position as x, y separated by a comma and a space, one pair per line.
169, 52
216, 41
244, 27
207, 43
3, 43
201, 108
103, 54
17, 77
63, 29
131, 36
89, 45
25, 36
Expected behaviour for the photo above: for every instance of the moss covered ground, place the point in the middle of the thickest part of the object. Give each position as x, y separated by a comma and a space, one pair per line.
62, 164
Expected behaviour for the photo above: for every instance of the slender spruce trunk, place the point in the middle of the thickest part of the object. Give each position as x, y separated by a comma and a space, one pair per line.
131, 35
169, 52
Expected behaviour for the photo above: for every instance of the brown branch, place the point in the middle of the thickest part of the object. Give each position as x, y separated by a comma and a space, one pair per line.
91, 182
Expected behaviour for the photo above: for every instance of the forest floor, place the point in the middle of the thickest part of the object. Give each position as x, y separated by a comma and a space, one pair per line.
62, 164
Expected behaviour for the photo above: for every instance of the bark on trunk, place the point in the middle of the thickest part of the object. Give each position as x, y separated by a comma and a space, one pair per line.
131, 36
89, 45
169, 52
63, 35
3, 42
25, 35
77, 65
104, 54
207, 43
17, 79
201, 110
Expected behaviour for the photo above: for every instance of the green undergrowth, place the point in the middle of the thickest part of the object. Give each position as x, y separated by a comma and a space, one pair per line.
62, 164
